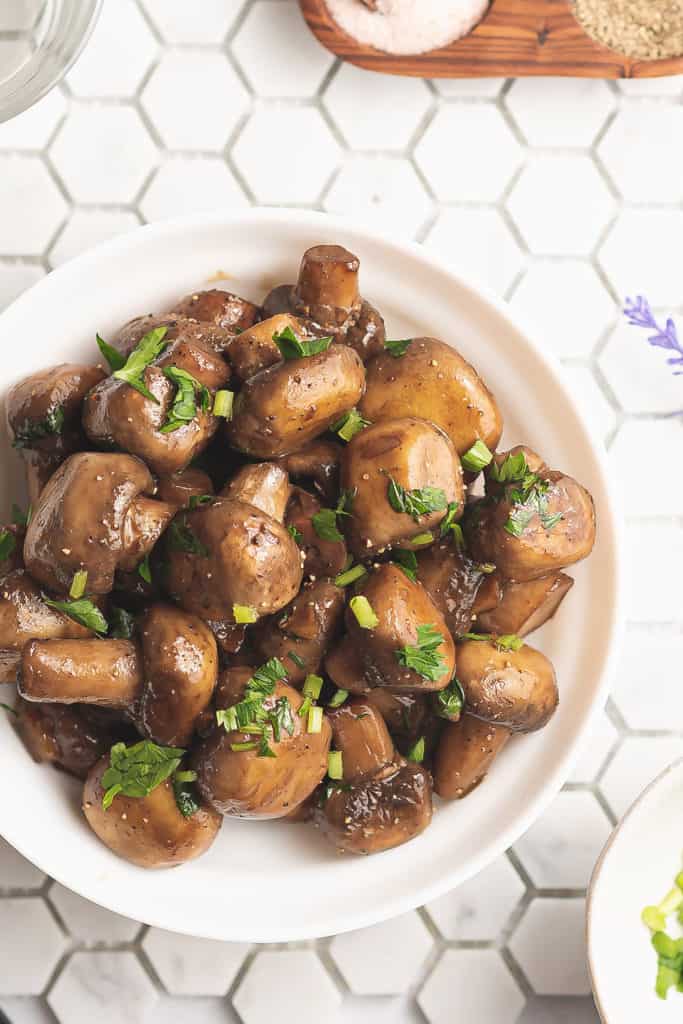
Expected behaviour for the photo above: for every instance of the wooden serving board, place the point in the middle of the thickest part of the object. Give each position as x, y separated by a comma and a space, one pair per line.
515, 38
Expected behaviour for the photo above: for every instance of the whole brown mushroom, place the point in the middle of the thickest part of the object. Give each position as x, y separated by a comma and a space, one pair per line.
94, 515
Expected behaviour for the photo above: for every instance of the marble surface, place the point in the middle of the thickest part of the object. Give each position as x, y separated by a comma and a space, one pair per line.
562, 196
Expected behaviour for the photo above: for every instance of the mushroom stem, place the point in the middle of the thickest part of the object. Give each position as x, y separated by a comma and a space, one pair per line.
104, 672
145, 521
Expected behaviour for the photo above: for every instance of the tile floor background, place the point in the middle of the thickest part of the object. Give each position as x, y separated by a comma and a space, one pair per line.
563, 196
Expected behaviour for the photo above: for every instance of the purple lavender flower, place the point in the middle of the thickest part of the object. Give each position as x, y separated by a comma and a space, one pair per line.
639, 314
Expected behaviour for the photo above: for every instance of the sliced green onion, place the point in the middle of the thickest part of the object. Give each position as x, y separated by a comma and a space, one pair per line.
458, 535
417, 751
476, 458
251, 745
338, 699
299, 662
78, 584
350, 576
421, 540
362, 609
335, 764
242, 613
312, 686
187, 776
653, 919
672, 901
315, 719
222, 404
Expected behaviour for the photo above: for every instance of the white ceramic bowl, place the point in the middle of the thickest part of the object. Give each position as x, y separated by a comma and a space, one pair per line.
635, 870
269, 881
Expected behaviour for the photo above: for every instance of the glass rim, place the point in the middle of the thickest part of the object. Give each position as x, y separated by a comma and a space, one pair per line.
51, 60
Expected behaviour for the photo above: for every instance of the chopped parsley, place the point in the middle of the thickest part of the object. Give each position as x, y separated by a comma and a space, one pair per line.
183, 791
296, 534
292, 347
188, 392
325, 521
115, 359
407, 561
78, 584
424, 657
448, 703
350, 424
137, 770
418, 502
448, 522
145, 352
337, 699
145, 570
82, 610
183, 538
251, 716
197, 500
37, 430
398, 348
526, 492
121, 623
8, 543
299, 662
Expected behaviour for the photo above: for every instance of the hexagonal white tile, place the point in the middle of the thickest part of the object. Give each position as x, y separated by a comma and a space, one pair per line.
191, 185
649, 656
477, 242
636, 255
103, 153
560, 849
86, 228
33, 128
103, 986
303, 167
280, 30
595, 747
189, 966
31, 205
559, 1010
548, 944
295, 970
654, 596
638, 373
195, 100
177, 21
597, 412
560, 111
651, 444
383, 191
200, 1010
652, 136
637, 762
117, 56
561, 204
479, 909
484, 153
31, 942
86, 922
382, 1010
471, 985
15, 871
565, 304
384, 959
469, 88
25, 1010
667, 85
15, 278
394, 107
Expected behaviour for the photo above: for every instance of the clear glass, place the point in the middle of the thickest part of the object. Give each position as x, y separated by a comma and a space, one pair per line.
39, 41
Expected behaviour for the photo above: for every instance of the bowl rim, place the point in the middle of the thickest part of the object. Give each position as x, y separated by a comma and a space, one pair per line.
599, 869
424, 890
